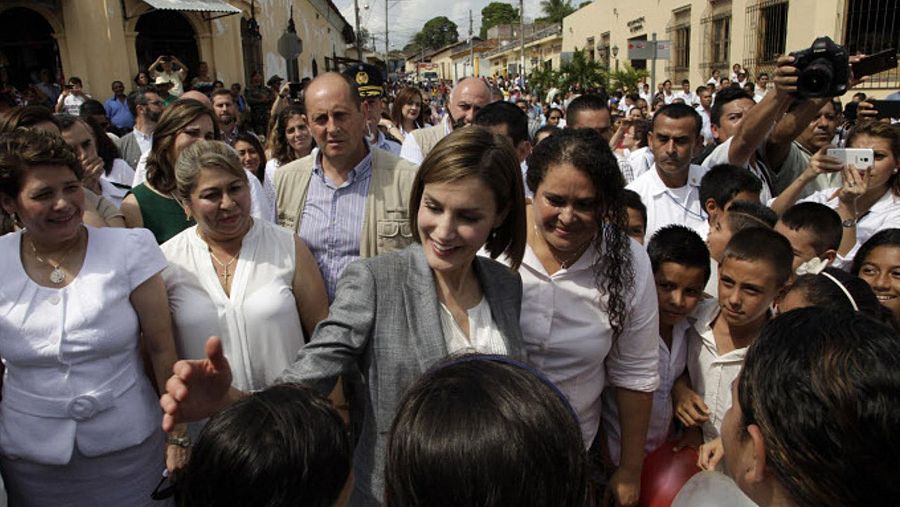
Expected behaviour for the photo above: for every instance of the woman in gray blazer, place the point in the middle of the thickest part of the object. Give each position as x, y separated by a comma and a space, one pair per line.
396, 315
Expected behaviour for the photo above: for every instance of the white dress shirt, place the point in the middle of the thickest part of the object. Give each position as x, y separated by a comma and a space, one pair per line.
711, 373
884, 214
568, 336
671, 366
666, 206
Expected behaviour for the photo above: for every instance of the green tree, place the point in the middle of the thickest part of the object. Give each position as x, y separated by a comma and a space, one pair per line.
437, 33
497, 13
583, 71
628, 78
556, 10
541, 79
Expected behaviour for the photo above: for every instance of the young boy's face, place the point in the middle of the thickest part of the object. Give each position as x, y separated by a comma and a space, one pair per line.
719, 236
636, 226
747, 290
679, 289
801, 243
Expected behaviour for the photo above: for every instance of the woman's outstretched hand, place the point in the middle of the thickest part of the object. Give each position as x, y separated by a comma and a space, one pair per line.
197, 388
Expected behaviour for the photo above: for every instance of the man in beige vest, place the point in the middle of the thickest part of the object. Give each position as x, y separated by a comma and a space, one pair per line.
467, 97
345, 200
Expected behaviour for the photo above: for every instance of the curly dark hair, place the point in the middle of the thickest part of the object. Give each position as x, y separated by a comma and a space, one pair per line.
278, 145
587, 151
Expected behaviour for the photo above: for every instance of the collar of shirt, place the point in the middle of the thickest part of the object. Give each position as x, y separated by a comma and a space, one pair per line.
142, 136
703, 318
361, 171
657, 187
445, 121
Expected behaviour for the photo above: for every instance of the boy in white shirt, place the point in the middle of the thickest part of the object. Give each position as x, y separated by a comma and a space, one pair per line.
754, 271
679, 259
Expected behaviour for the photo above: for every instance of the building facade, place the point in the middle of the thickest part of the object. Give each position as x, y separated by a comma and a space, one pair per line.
542, 49
101, 40
708, 35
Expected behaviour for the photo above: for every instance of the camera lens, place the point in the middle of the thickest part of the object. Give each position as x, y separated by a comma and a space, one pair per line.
815, 80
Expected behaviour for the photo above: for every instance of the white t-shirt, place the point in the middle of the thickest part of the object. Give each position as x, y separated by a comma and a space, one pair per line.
117, 183
719, 155
666, 206
567, 334
711, 373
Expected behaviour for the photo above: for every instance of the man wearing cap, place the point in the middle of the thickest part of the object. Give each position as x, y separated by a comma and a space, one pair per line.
346, 200
164, 87
466, 98
371, 88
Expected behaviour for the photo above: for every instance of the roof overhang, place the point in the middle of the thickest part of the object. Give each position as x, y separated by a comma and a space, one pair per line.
202, 6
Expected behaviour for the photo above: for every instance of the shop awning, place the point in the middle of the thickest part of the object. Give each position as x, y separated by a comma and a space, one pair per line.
194, 6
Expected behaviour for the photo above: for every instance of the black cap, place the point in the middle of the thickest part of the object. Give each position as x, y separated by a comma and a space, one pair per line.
368, 79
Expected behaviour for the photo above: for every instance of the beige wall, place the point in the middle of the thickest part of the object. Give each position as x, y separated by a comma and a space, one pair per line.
547, 48
807, 19
97, 43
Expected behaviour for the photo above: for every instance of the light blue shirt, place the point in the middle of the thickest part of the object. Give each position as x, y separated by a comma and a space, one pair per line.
118, 113
333, 217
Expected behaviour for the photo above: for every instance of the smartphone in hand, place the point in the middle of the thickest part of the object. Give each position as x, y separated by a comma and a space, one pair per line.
860, 158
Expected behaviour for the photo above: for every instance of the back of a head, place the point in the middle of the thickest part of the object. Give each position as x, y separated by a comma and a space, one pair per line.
586, 102
279, 447
505, 113
823, 388
486, 431
724, 181
762, 244
836, 290
821, 221
678, 244
724, 97
25, 117
91, 107
745, 214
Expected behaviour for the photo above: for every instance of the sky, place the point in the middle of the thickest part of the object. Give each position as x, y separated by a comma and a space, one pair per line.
406, 17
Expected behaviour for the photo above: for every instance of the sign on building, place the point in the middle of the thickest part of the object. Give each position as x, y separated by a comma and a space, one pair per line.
643, 49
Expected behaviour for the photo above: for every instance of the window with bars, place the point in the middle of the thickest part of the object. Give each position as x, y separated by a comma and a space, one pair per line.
766, 35
604, 49
873, 26
591, 50
679, 32
716, 29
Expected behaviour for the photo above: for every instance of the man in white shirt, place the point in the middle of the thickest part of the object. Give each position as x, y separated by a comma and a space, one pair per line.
686, 94
466, 98
671, 188
645, 92
704, 97
668, 94
762, 85
590, 111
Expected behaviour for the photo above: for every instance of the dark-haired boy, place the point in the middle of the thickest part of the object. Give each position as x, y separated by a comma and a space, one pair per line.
813, 229
725, 183
679, 259
754, 271
637, 216
738, 216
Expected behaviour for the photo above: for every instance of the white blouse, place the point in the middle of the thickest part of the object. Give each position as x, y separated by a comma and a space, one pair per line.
259, 323
568, 336
74, 374
484, 336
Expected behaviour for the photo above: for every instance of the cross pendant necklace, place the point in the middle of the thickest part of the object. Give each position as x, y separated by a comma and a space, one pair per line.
225, 265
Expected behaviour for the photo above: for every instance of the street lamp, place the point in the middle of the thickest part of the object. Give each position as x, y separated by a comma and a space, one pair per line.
615, 52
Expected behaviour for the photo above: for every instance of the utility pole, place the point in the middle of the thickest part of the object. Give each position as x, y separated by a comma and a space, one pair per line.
387, 48
653, 68
522, 41
358, 42
471, 45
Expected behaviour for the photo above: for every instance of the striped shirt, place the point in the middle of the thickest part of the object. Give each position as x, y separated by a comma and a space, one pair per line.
333, 217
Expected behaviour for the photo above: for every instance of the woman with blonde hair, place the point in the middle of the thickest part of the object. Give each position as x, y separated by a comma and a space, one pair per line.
396, 315
250, 282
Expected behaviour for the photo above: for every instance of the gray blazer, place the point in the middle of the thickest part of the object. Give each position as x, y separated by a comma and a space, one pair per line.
385, 323
130, 150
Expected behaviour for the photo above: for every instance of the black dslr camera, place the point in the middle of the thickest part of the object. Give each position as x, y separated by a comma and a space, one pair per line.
824, 69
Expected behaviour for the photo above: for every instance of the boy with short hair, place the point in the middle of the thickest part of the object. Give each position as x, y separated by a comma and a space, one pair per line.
637, 216
813, 229
754, 271
739, 215
679, 259
725, 183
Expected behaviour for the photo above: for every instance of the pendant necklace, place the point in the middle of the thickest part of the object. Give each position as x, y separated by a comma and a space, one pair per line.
225, 265
57, 275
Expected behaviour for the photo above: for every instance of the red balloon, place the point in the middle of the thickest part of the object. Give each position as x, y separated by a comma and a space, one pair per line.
664, 473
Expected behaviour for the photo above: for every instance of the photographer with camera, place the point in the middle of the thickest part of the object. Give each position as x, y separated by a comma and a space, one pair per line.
164, 66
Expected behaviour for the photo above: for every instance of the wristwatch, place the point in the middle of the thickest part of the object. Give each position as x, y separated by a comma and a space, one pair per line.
184, 441
850, 222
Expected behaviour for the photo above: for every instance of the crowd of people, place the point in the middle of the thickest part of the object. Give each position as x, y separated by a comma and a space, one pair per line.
353, 290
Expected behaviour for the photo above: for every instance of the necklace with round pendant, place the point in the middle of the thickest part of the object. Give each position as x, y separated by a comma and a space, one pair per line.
57, 276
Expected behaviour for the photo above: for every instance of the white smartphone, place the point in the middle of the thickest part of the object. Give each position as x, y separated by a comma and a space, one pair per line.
860, 158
